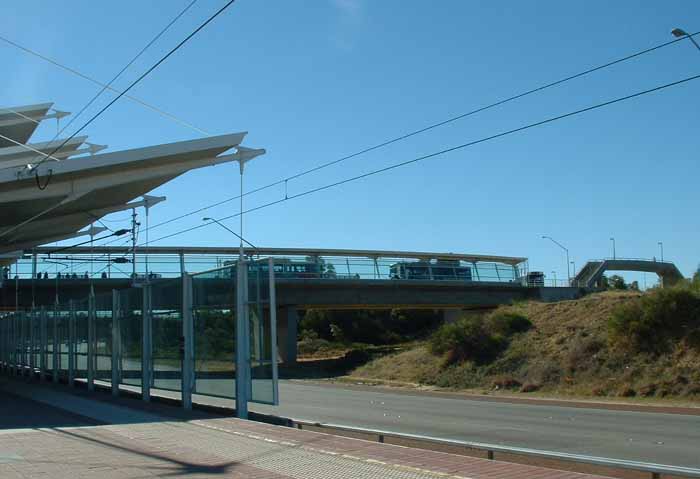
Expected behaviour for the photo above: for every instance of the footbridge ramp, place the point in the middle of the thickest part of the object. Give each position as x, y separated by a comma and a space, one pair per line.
592, 273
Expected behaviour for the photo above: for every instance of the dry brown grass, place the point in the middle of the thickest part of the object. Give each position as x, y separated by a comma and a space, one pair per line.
416, 365
566, 352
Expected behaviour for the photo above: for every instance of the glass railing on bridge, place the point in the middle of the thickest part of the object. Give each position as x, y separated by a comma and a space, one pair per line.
327, 265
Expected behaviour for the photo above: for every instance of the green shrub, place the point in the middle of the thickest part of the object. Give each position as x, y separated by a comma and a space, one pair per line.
661, 316
617, 282
507, 323
465, 339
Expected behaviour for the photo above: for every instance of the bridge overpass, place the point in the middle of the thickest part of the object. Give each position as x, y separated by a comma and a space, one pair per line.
295, 295
592, 273
334, 279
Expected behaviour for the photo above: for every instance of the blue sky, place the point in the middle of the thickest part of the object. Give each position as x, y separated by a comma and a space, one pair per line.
314, 81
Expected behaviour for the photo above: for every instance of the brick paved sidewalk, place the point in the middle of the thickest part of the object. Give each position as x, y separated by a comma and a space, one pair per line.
144, 445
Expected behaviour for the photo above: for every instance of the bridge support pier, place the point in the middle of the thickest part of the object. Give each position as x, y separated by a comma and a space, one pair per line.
287, 326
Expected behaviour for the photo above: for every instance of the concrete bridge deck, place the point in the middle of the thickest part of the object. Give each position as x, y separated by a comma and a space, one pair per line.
317, 293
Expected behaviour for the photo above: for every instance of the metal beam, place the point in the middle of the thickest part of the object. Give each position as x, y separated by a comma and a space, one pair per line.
214, 250
146, 348
187, 353
116, 342
91, 343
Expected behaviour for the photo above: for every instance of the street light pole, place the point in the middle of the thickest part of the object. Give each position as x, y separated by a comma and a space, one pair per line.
613, 245
568, 272
243, 382
214, 220
661, 245
679, 33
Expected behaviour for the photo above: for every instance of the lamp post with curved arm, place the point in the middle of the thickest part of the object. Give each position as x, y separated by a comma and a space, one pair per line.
679, 32
568, 270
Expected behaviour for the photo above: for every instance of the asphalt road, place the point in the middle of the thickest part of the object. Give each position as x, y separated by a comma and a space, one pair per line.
641, 436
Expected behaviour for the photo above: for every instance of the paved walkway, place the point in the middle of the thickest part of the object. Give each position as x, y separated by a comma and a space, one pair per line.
141, 443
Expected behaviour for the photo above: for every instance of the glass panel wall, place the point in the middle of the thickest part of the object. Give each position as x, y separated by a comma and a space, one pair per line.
63, 340
131, 328
81, 314
262, 373
168, 343
214, 314
60, 336
103, 337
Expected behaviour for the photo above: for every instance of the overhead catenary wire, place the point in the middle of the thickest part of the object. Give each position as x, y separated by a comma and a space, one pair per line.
424, 129
126, 67
141, 77
104, 88
30, 148
91, 240
442, 152
73, 71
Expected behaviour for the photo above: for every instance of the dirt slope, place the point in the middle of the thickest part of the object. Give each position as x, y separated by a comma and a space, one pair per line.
567, 351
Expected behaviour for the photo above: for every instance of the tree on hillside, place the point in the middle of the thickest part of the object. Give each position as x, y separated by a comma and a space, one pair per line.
696, 276
617, 282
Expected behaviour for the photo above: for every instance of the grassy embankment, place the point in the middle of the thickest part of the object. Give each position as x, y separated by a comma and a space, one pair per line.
612, 344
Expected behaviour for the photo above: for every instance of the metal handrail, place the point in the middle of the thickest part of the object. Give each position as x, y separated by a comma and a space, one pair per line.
618, 258
510, 260
655, 469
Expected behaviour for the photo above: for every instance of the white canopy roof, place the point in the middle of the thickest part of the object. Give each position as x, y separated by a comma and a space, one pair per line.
20, 122
82, 189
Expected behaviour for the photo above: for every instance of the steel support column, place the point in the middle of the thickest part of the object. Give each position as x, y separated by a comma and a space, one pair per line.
56, 348
273, 330
116, 342
71, 344
42, 347
146, 349
32, 341
242, 339
91, 343
187, 353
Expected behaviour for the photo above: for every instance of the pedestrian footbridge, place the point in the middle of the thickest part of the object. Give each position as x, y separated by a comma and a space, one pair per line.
592, 273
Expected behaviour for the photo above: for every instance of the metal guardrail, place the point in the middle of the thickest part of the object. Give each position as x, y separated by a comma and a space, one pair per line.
656, 470
74, 266
618, 258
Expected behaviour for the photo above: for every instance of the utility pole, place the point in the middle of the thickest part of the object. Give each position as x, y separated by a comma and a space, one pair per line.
134, 224
148, 201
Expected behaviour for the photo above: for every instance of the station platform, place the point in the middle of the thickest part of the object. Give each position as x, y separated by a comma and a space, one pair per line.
50, 431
